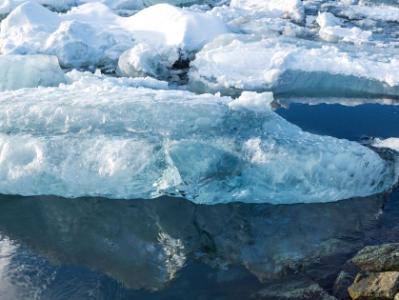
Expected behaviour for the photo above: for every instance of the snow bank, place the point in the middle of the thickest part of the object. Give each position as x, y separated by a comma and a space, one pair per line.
293, 67
102, 138
17, 71
92, 35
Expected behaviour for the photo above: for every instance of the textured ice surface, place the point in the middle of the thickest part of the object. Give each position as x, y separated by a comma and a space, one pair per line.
294, 67
93, 35
100, 138
17, 71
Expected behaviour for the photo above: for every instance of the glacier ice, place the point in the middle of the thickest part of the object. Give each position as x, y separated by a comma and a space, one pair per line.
96, 138
26, 71
293, 67
93, 35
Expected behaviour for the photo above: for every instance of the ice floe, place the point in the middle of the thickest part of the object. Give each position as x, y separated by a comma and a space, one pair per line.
97, 138
293, 67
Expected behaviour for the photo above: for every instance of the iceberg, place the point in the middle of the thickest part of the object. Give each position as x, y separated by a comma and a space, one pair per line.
92, 35
292, 67
18, 71
96, 138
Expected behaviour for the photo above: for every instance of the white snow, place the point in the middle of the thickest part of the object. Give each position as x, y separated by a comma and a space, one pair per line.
103, 138
391, 143
93, 35
172, 26
253, 101
278, 8
17, 71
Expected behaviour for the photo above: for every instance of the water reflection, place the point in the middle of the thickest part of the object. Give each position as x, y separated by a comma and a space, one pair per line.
53, 246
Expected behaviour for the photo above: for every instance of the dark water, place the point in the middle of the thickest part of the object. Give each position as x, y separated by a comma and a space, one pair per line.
93, 248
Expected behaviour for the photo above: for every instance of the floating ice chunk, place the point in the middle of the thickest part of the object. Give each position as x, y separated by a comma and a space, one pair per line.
100, 138
17, 71
293, 68
279, 8
253, 101
391, 143
376, 12
332, 31
144, 60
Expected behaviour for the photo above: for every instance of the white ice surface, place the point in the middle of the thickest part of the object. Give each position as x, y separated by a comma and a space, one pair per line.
391, 143
101, 137
93, 35
290, 66
17, 71
278, 8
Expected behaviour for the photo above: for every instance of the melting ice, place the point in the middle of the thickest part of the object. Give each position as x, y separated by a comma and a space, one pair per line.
100, 138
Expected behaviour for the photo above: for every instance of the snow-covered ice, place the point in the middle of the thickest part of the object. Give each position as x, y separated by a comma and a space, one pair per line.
27, 71
99, 138
278, 8
93, 35
292, 67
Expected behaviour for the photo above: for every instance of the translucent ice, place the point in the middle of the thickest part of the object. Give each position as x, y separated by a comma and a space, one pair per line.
17, 71
102, 138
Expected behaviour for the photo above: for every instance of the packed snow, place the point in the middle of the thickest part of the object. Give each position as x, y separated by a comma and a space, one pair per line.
98, 138
18, 71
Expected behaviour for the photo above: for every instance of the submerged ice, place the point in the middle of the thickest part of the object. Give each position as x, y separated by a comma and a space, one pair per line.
98, 138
